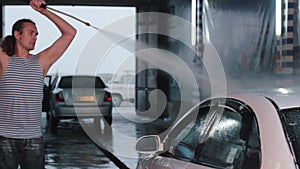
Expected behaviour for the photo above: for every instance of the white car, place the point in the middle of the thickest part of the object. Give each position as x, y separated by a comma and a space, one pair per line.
122, 89
246, 130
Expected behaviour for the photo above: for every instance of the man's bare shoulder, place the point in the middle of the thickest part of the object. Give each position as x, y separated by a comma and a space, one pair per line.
3, 62
3, 58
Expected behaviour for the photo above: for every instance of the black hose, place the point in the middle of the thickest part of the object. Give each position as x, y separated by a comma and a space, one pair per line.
71, 16
111, 156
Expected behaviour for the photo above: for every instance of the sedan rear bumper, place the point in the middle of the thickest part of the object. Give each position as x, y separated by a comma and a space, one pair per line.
70, 111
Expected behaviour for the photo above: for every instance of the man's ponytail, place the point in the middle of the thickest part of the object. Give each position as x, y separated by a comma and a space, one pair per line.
8, 45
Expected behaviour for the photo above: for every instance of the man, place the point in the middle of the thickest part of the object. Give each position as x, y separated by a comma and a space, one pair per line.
21, 90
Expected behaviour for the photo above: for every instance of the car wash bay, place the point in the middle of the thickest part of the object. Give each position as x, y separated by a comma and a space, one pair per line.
240, 33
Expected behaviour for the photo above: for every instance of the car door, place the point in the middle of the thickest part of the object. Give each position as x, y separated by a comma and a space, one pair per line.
46, 94
225, 136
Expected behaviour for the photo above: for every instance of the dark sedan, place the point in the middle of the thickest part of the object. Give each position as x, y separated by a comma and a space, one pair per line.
78, 96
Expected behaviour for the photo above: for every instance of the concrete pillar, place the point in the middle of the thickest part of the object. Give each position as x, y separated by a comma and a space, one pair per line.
199, 32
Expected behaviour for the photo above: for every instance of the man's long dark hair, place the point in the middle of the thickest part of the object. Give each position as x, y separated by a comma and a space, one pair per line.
8, 45
9, 42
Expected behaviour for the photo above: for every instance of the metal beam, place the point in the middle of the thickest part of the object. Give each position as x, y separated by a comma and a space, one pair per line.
76, 2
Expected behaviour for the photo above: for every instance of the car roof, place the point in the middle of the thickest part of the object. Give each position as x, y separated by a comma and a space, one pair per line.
60, 76
79, 75
288, 97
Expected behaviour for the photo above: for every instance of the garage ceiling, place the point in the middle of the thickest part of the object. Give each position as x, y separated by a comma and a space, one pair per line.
76, 2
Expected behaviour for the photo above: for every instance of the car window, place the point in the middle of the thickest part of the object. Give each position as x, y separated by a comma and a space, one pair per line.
223, 138
191, 133
81, 82
291, 122
253, 150
222, 145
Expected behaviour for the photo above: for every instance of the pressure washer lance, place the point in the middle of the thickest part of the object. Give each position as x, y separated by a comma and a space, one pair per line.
71, 16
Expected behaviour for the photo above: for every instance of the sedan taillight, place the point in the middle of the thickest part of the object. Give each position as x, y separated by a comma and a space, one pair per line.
107, 97
59, 97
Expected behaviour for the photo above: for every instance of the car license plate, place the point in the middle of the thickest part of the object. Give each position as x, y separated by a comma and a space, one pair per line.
85, 98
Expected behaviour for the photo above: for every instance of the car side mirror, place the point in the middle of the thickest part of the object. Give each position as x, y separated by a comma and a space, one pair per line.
149, 144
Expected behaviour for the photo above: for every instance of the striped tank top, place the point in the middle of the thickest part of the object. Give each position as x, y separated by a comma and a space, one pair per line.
21, 94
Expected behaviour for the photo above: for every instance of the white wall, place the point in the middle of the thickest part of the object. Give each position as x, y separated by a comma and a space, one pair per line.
97, 16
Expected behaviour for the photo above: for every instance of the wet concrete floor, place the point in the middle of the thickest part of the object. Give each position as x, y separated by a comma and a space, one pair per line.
72, 147
75, 145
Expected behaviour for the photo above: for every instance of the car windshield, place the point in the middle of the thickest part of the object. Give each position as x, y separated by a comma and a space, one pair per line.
81, 82
291, 122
